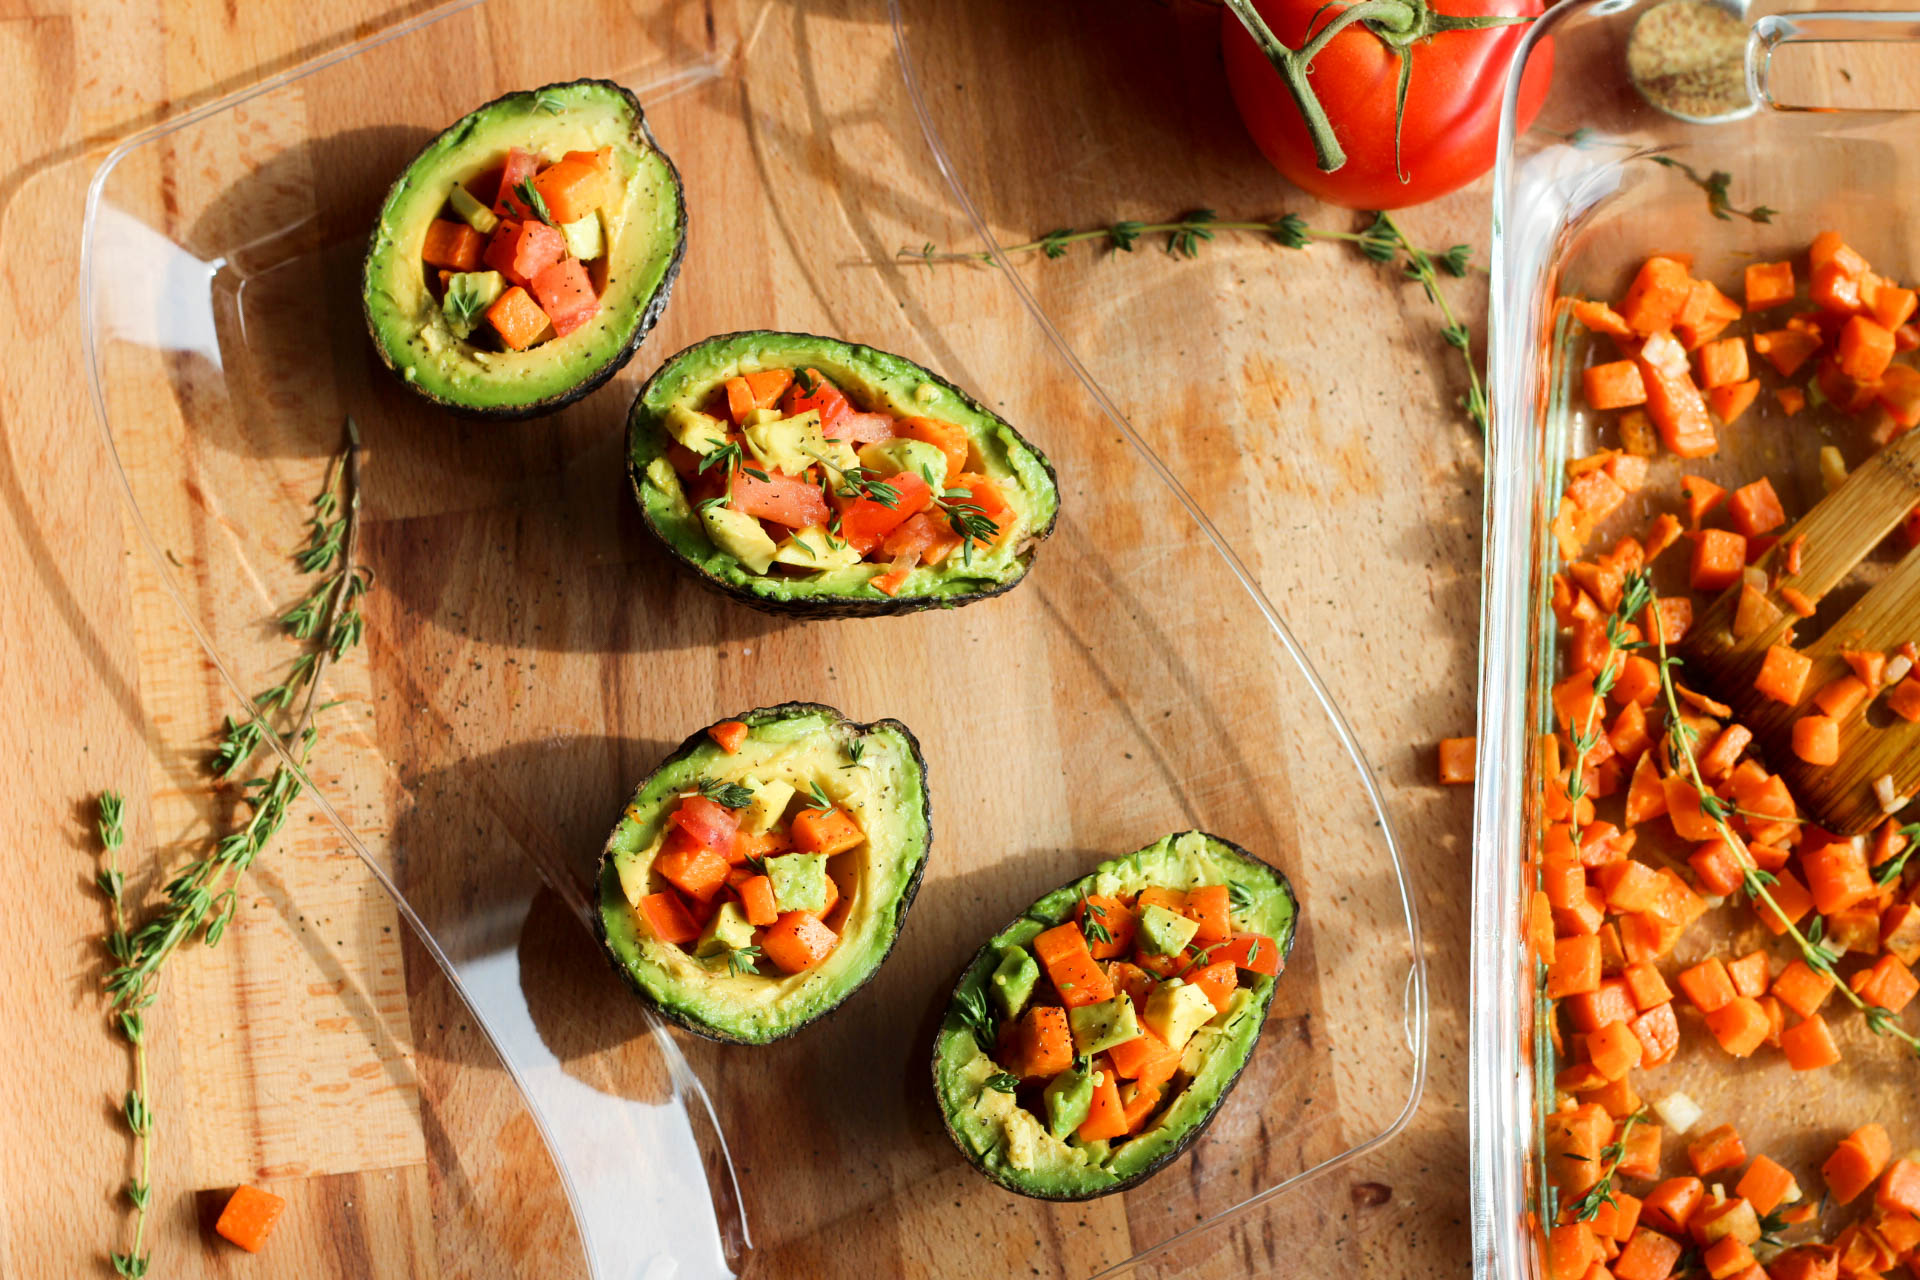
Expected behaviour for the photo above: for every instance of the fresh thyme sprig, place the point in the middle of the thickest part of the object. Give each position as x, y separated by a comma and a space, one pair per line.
966, 517
741, 961
463, 308
1382, 241
328, 614
976, 1016
529, 195
550, 102
1239, 897
1425, 268
1635, 594
857, 482
1184, 238
1093, 920
1716, 185
1814, 949
1601, 1193
855, 750
137, 1106
730, 795
818, 799
1001, 1082
203, 897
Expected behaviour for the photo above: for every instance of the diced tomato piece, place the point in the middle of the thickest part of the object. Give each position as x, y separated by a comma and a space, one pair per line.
520, 165
866, 523
1254, 952
823, 396
779, 498
566, 295
711, 824
522, 250
862, 428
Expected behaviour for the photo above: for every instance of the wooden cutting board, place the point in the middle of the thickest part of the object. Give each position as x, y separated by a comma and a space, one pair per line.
316, 1051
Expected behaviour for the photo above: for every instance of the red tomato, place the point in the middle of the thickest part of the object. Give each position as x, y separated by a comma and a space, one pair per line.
1451, 125
706, 822
824, 396
780, 498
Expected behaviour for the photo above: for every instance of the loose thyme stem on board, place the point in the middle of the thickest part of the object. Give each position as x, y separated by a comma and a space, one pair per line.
1381, 241
1813, 948
203, 896
136, 1107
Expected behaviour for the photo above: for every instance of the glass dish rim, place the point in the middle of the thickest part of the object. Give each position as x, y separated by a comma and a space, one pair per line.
1415, 996
1501, 1096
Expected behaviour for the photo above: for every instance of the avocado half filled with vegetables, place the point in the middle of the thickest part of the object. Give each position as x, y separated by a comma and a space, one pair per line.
810, 476
1091, 1040
761, 874
524, 253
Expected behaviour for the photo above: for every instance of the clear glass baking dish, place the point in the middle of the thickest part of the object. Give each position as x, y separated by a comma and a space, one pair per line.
1579, 203
529, 658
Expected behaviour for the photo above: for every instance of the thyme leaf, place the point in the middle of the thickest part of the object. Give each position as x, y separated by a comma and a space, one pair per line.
1716, 185
730, 795
529, 195
971, 1007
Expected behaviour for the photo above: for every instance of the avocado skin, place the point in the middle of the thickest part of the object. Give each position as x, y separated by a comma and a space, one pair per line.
650, 315
829, 606
986, 956
763, 715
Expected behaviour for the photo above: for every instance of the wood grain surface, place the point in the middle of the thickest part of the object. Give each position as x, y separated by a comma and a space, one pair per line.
531, 658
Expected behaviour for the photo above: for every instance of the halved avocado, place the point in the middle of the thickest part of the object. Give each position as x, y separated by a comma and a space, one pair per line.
1011, 1145
875, 381
874, 771
644, 235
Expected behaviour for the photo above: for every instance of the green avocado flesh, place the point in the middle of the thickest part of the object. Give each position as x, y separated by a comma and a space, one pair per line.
873, 381
801, 746
1017, 1147
644, 226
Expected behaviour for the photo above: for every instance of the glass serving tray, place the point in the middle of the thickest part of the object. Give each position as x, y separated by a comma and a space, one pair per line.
530, 655
1579, 206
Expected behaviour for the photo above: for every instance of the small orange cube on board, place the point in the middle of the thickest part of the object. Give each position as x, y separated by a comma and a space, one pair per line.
1755, 508
249, 1217
1856, 1162
1809, 1044
1614, 386
1904, 699
1866, 349
1732, 400
1816, 739
1456, 759
1783, 674
1769, 284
